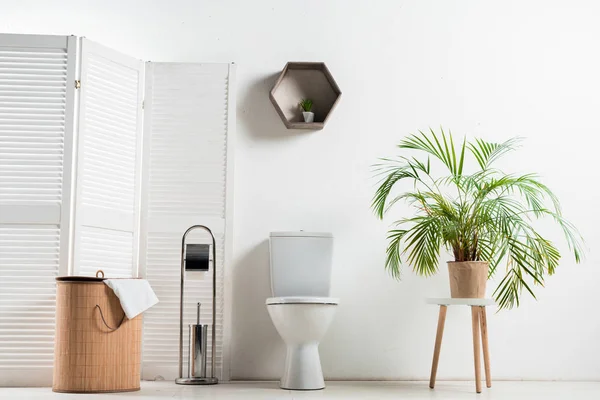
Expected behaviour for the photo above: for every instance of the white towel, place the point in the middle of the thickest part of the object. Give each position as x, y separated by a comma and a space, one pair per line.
135, 295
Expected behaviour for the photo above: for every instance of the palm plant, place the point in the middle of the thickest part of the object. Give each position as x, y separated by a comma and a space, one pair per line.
483, 216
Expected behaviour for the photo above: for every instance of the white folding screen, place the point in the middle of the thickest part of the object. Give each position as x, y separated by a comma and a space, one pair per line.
108, 162
37, 74
187, 177
189, 114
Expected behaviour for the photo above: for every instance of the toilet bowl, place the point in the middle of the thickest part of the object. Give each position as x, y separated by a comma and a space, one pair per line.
302, 322
301, 308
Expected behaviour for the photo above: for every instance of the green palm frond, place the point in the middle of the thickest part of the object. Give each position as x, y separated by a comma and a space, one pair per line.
483, 216
486, 153
394, 176
394, 249
441, 148
423, 242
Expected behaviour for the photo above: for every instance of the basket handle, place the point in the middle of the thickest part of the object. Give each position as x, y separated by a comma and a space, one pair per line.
104, 321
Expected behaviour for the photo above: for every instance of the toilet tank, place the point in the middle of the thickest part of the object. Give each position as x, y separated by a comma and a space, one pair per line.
301, 263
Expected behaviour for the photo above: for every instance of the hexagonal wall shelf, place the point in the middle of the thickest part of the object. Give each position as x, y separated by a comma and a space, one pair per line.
305, 80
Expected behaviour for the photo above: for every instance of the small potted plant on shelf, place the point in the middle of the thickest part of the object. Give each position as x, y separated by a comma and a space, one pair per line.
306, 106
485, 218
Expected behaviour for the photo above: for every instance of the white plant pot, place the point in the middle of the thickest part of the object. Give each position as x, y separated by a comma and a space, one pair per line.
308, 116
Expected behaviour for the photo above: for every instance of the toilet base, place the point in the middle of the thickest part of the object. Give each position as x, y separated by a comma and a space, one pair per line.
303, 368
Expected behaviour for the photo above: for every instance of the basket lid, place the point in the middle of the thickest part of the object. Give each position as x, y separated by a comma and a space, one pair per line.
97, 278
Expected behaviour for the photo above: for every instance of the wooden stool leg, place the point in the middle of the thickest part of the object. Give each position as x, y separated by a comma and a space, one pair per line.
438, 344
484, 344
475, 320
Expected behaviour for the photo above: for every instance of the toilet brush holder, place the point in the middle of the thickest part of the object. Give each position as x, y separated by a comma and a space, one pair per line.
197, 355
197, 349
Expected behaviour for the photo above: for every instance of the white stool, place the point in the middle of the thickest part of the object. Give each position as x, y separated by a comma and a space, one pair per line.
479, 321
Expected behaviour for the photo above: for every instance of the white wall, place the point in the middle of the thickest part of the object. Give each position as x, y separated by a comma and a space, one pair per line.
494, 69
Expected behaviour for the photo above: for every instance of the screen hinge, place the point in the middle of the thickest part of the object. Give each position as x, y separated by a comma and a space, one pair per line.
77, 84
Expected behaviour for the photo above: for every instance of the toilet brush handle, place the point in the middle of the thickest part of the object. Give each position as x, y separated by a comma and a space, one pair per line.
198, 314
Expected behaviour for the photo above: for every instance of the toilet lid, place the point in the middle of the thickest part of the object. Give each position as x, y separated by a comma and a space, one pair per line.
302, 300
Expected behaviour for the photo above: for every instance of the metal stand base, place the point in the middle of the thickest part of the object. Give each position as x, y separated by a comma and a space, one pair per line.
196, 381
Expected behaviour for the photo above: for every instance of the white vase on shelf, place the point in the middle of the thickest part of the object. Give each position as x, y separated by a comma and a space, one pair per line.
308, 116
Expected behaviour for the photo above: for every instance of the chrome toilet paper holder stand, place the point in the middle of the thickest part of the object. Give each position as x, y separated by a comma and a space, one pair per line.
195, 380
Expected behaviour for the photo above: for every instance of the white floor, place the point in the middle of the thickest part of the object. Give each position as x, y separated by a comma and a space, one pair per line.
337, 390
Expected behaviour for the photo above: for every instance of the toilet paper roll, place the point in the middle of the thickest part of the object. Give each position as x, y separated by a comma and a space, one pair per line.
197, 257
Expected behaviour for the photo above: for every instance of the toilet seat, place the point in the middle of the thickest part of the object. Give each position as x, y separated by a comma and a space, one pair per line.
302, 300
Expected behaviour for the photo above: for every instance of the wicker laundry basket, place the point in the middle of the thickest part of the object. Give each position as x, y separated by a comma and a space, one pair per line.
97, 349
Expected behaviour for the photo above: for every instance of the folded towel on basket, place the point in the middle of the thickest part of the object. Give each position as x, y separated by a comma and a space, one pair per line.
135, 295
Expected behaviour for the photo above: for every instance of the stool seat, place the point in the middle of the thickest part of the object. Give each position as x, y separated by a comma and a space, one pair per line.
449, 301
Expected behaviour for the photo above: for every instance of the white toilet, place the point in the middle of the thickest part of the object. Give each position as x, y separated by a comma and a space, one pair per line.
301, 308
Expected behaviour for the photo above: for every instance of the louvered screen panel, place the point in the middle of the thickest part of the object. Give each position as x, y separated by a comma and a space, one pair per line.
109, 162
29, 263
32, 124
106, 249
186, 134
36, 128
